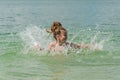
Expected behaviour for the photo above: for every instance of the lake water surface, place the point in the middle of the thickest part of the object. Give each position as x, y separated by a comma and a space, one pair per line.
23, 22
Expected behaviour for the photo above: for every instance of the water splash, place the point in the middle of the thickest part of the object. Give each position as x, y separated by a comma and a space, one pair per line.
36, 37
97, 45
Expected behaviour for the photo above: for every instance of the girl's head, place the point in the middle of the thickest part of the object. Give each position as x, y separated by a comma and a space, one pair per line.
56, 26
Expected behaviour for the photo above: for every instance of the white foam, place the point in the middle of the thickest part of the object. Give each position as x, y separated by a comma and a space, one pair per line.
34, 37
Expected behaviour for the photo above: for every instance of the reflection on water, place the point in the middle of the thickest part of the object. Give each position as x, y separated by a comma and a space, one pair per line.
55, 64
58, 72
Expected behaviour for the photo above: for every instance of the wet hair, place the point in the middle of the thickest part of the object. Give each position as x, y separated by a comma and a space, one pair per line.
56, 26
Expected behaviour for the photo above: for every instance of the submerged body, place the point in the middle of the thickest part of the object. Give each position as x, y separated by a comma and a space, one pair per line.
54, 46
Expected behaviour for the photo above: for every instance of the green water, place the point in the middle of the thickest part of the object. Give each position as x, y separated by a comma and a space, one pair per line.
95, 22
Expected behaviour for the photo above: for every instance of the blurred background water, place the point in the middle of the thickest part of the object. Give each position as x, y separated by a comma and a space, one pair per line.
87, 21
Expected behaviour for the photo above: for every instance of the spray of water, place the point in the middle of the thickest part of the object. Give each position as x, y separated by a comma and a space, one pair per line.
35, 38
96, 45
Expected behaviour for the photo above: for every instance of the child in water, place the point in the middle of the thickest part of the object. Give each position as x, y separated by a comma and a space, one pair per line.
60, 36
